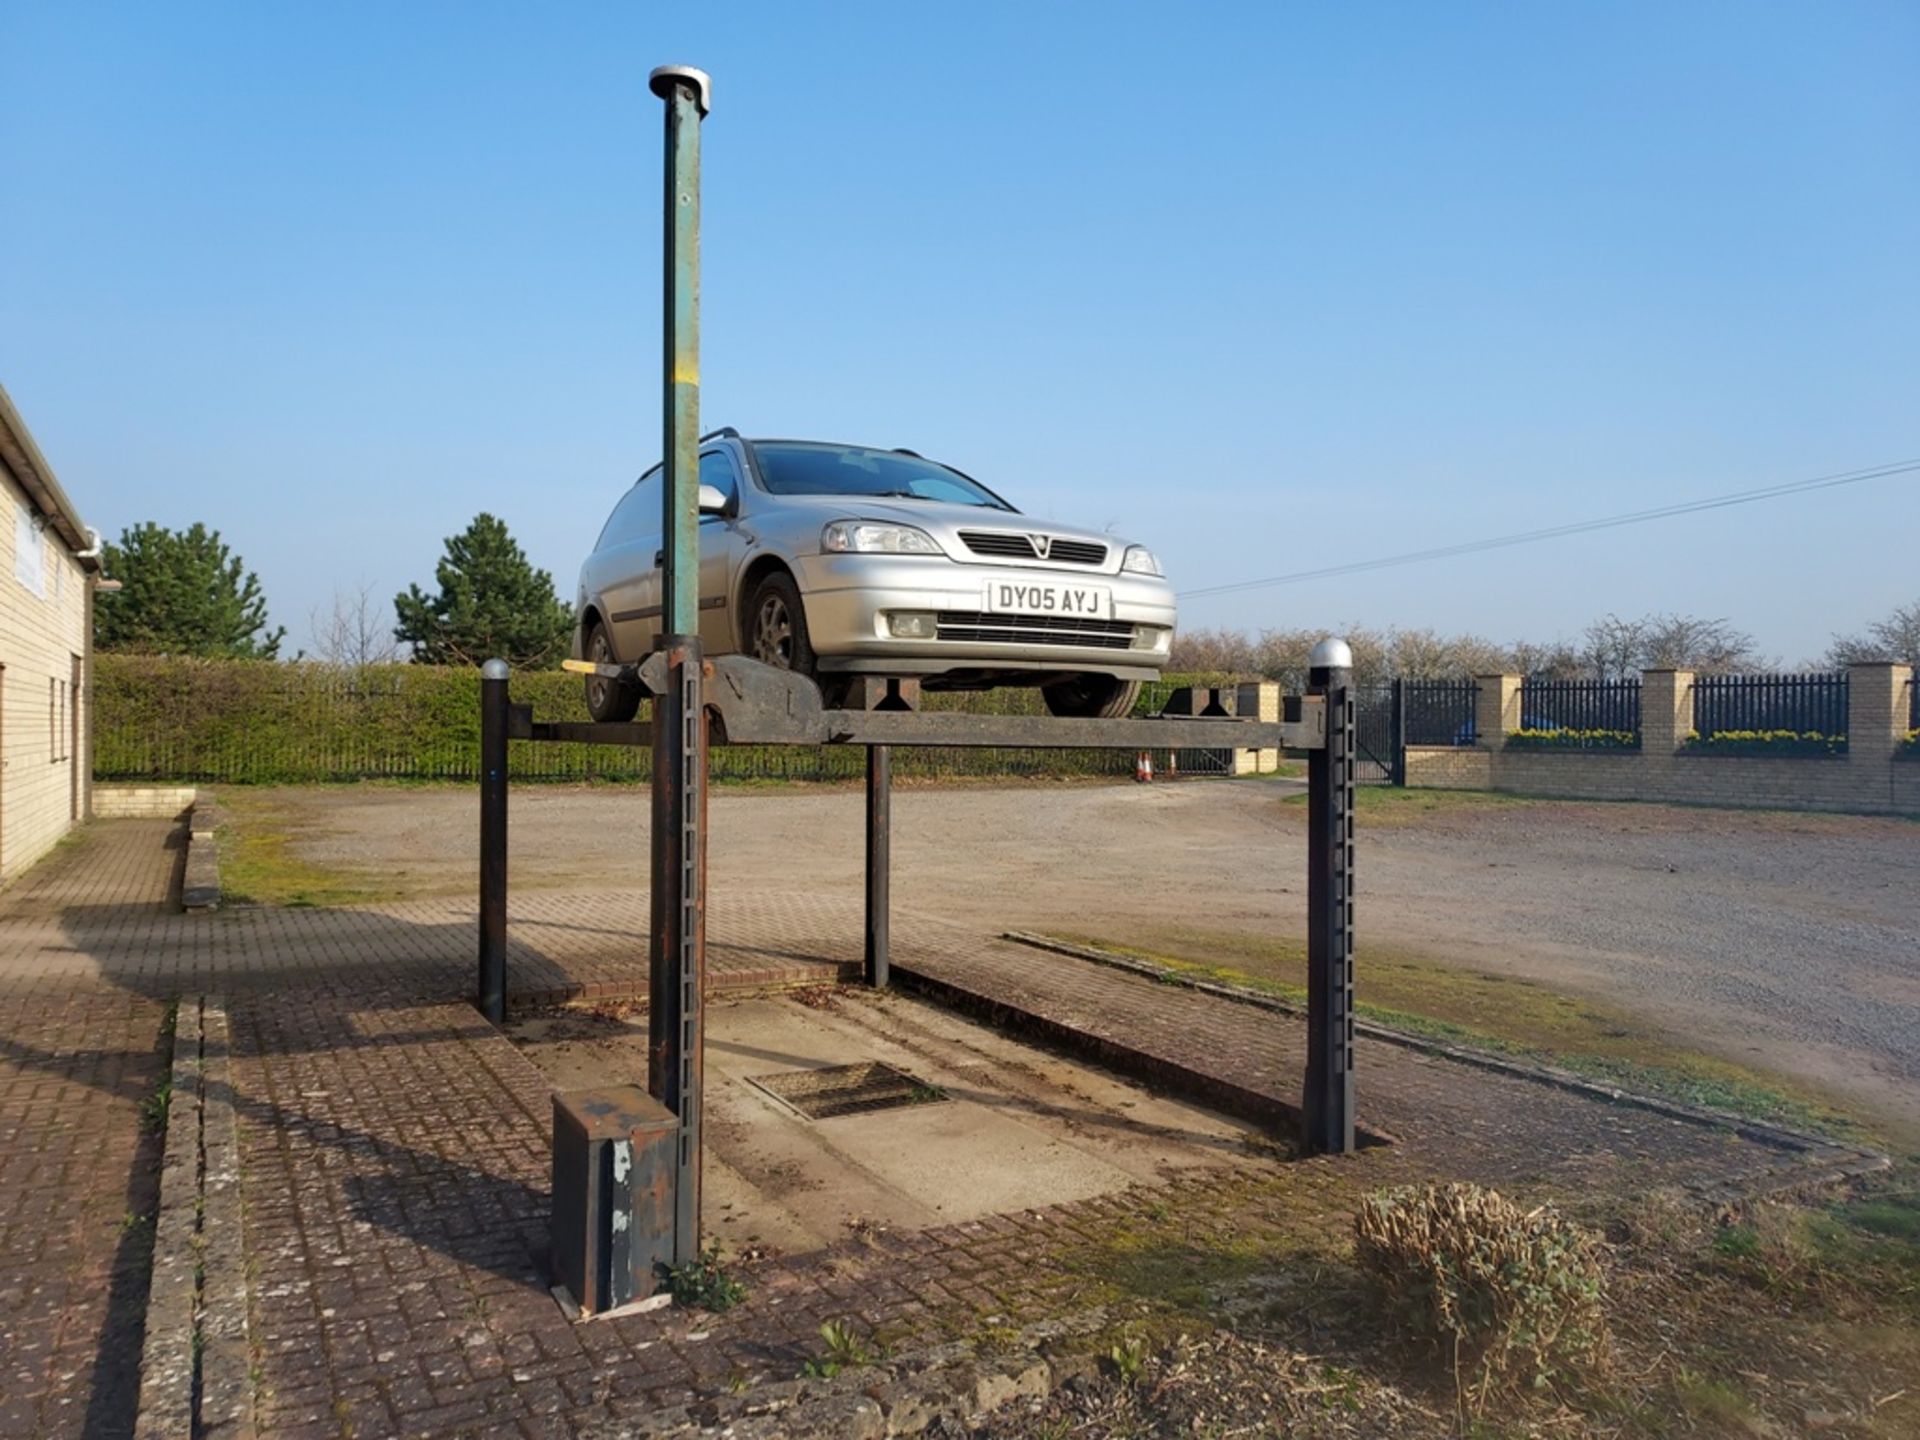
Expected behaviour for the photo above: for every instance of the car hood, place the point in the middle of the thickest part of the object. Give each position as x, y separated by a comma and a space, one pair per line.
942, 520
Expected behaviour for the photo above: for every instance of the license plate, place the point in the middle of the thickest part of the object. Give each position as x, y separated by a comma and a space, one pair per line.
1040, 597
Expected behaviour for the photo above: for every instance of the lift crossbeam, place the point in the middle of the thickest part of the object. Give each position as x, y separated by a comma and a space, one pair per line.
759, 705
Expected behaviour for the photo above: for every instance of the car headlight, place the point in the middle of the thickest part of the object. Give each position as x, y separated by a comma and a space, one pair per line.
1140, 561
871, 537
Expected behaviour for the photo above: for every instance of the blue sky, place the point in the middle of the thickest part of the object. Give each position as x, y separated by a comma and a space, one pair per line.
1266, 286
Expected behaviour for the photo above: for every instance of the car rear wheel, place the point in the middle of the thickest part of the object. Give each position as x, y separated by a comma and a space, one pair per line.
1092, 697
607, 700
777, 625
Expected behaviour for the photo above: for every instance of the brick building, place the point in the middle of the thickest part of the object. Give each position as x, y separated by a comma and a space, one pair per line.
48, 567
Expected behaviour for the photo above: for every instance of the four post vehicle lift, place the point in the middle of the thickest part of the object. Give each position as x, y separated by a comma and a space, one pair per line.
627, 1162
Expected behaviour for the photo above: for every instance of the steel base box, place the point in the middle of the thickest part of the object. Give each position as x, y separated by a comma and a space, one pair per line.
613, 1212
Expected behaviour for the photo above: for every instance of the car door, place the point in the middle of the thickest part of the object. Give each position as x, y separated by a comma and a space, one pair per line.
722, 547
628, 575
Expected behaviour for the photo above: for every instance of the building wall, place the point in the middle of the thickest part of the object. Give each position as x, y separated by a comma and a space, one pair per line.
44, 771
1871, 777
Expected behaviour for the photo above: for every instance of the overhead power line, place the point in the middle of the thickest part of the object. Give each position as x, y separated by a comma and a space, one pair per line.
1553, 532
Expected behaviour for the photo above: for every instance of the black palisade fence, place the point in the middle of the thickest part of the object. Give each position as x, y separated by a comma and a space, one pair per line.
1757, 704
1439, 712
1608, 710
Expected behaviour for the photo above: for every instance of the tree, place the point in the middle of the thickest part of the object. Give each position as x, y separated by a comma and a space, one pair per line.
352, 633
182, 592
1895, 638
1618, 649
491, 602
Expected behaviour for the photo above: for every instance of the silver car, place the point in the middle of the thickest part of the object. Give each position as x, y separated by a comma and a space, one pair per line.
839, 560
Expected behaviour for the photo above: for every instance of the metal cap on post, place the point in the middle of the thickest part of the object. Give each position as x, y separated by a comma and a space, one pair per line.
1331, 654
664, 78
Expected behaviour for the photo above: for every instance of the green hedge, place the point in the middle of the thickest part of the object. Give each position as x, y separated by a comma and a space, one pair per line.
266, 722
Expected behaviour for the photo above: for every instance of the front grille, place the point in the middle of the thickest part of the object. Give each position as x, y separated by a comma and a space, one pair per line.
1004, 544
982, 628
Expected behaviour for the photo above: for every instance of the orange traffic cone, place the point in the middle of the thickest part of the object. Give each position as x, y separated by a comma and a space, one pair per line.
1143, 768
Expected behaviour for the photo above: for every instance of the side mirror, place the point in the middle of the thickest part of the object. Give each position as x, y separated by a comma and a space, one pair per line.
712, 501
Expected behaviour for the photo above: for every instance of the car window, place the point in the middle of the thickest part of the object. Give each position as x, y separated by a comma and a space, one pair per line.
802, 468
637, 514
717, 469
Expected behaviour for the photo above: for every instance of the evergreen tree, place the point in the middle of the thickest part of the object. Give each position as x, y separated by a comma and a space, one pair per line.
491, 602
182, 592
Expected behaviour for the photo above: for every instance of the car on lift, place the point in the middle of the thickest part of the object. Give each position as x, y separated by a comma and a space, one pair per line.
846, 560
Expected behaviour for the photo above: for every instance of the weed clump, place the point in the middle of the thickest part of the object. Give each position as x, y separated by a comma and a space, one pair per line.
703, 1283
1517, 1297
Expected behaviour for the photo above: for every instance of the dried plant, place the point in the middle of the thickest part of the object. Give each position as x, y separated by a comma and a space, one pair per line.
1517, 1297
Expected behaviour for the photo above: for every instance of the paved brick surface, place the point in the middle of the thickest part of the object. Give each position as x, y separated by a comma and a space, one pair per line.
76, 1063
394, 1154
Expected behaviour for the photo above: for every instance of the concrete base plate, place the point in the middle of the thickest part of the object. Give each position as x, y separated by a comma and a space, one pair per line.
1021, 1128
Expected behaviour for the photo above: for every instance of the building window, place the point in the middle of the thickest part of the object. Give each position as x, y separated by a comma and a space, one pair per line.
29, 550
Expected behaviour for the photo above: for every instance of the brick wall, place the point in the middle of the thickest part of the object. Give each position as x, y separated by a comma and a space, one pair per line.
1449, 767
1870, 777
43, 731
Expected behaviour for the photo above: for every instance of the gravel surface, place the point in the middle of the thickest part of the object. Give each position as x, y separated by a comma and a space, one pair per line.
1789, 941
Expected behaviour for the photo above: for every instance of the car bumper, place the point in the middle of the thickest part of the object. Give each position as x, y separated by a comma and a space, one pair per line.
852, 602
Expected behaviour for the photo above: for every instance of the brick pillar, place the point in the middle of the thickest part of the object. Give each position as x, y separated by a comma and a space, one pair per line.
1666, 710
1261, 700
1496, 711
1876, 710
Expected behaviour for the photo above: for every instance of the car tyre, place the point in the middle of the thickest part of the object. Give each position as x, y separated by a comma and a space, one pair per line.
1091, 697
777, 625
608, 701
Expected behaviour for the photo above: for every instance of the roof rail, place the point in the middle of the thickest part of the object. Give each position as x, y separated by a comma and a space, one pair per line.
725, 432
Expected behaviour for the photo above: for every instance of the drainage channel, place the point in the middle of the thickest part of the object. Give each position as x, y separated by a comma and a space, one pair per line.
195, 1375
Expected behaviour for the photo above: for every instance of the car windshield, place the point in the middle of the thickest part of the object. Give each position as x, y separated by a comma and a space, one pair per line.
796, 468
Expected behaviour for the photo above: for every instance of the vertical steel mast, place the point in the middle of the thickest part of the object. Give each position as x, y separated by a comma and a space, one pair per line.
679, 879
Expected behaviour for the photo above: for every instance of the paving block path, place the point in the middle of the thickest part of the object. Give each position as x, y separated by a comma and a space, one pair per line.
394, 1152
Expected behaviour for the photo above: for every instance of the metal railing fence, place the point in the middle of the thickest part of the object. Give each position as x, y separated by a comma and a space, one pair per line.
1813, 704
1439, 712
1607, 705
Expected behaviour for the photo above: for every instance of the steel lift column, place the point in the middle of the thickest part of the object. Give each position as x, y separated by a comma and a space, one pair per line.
1328, 1099
678, 957
492, 991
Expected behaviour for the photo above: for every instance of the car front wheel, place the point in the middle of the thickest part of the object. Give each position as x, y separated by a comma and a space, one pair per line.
607, 700
777, 625
1091, 697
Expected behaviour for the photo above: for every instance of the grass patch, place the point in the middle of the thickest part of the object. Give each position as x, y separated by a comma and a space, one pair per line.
258, 864
1386, 806
1507, 1015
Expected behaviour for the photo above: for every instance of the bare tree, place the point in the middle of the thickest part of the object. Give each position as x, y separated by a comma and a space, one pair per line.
1895, 638
355, 632
1616, 649
1228, 651
1557, 660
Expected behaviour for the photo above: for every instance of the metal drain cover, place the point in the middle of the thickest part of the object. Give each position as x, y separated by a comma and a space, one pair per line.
848, 1089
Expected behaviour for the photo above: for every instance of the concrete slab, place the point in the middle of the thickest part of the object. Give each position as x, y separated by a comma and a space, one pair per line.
1020, 1128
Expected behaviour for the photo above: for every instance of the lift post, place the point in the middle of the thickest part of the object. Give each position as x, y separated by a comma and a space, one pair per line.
677, 957
879, 863
1327, 1103
492, 992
